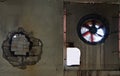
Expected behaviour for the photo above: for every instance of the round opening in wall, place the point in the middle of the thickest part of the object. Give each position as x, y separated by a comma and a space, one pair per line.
93, 29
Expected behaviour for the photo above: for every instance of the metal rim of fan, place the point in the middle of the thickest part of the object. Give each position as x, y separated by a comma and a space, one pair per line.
93, 29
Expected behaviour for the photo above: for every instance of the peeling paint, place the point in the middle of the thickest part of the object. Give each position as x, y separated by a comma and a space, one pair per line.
21, 49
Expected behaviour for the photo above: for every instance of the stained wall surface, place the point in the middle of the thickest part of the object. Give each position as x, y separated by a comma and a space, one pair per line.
95, 1
101, 59
43, 19
101, 56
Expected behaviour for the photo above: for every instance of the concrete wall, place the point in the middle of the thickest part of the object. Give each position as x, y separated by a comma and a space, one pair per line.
92, 73
96, 60
101, 56
95, 1
43, 18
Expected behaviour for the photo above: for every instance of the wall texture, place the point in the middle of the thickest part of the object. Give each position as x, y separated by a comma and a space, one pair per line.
92, 73
101, 56
95, 1
43, 19
101, 59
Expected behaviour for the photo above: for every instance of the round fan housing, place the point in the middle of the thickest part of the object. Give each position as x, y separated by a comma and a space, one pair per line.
93, 29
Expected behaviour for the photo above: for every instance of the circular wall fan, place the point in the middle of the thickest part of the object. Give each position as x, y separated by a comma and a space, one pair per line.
93, 29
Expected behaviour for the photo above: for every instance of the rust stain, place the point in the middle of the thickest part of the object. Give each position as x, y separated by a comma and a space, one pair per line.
31, 71
27, 24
